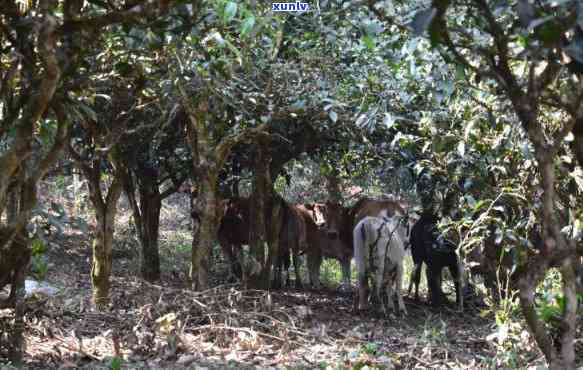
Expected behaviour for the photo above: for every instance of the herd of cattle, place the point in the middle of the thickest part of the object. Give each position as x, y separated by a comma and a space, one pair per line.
376, 233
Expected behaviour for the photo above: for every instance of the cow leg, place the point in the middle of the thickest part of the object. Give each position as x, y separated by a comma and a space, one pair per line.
380, 286
429, 283
297, 264
434, 284
314, 263
415, 280
363, 290
456, 275
237, 253
285, 270
281, 264
227, 249
276, 276
345, 272
237, 267
398, 286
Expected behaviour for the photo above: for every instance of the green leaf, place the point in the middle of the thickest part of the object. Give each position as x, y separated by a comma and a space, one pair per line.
247, 25
369, 42
235, 50
230, 11
115, 363
333, 116
460, 72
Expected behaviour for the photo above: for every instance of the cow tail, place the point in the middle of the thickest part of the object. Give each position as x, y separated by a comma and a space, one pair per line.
359, 252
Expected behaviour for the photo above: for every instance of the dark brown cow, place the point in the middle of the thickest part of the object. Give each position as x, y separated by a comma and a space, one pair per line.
234, 233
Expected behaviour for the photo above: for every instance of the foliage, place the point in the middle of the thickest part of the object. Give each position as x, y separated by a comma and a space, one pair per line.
115, 363
39, 266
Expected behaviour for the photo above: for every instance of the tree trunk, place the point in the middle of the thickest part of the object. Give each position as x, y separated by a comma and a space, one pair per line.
207, 162
206, 212
257, 237
274, 229
146, 214
150, 205
559, 351
105, 212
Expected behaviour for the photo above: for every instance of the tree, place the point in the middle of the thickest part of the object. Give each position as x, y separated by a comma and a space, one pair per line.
517, 50
44, 44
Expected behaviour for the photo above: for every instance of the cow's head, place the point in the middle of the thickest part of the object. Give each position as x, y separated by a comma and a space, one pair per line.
234, 207
335, 216
317, 212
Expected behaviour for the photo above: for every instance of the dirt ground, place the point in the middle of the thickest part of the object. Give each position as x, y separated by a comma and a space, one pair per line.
168, 326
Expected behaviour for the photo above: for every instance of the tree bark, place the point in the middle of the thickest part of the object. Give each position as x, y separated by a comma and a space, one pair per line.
273, 230
206, 207
560, 353
146, 214
105, 212
258, 235
150, 206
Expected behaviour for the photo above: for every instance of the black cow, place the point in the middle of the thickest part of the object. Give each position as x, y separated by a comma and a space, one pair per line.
428, 247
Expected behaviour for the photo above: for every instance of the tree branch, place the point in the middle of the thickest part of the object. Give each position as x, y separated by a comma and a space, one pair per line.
223, 149
61, 139
127, 16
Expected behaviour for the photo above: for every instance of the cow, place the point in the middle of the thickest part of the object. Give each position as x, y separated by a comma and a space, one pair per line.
379, 248
321, 245
340, 222
376, 208
234, 231
316, 211
334, 238
292, 240
428, 247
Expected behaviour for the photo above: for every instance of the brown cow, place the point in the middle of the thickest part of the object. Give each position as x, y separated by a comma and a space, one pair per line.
320, 245
376, 208
234, 230
316, 211
333, 240
312, 249
340, 221
293, 238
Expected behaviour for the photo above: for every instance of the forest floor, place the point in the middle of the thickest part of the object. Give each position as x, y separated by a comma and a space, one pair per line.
168, 326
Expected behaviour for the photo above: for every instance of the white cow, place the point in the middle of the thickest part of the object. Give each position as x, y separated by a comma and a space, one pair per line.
379, 248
